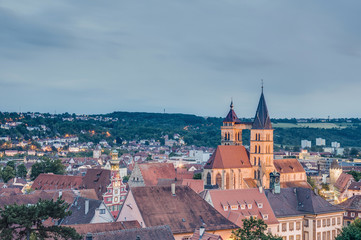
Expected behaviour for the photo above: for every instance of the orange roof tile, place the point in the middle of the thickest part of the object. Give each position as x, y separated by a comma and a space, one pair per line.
227, 156
151, 172
290, 165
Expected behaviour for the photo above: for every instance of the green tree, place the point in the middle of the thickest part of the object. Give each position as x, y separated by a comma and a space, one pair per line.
21, 171
351, 232
11, 164
47, 166
356, 175
253, 229
312, 182
197, 176
25, 221
7, 173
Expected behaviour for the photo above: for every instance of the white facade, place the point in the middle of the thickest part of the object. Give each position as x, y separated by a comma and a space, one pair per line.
305, 143
320, 142
335, 145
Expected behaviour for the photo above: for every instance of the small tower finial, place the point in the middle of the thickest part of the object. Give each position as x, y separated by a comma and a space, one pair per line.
262, 84
231, 103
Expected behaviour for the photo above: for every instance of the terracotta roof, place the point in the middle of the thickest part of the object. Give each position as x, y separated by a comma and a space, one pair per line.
196, 185
104, 227
343, 181
355, 186
298, 202
250, 182
290, 165
151, 172
239, 197
228, 156
353, 203
183, 212
183, 173
205, 236
9, 191
303, 184
262, 119
149, 233
46, 181
97, 179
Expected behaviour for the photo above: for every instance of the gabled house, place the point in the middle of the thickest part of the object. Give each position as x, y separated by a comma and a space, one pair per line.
147, 174
176, 206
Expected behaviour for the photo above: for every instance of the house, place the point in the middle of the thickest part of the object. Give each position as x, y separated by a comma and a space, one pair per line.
97, 179
354, 189
50, 181
86, 210
179, 207
239, 204
302, 214
341, 186
352, 208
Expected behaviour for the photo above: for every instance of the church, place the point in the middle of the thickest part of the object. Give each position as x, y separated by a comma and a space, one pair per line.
232, 166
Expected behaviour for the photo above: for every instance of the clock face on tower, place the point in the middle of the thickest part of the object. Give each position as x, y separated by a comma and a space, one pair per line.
277, 179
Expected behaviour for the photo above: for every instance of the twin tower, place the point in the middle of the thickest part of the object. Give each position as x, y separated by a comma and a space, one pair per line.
261, 139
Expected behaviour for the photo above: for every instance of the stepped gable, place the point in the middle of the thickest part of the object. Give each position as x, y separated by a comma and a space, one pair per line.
262, 119
229, 156
231, 116
184, 212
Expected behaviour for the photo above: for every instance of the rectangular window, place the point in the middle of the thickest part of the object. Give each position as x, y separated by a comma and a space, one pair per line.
323, 222
102, 211
352, 214
243, 206
318, 223
328, 235
291, 226
298, 225
345, 214
260, 205
324, 235
318, 236
306, 236
338, 221
284, 227
328, 222
298, 237
234, 207
291, 237
249, 206
333, 234
333, 221
306, 223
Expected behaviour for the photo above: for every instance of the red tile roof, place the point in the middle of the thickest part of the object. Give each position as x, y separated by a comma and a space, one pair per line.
104, 227
290, 165
47, 181
227, 156
151, 172
183, 212
238, 197
343, 181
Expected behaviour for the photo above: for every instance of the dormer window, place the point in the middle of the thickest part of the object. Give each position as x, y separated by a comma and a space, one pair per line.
243, 206
265, 217
234, 207
225, 208
259, 205
249, 206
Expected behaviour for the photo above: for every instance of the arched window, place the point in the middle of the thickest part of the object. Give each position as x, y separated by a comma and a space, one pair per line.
255, 149
259, 174
255, 174
259, 149
259, 161
219, 180
228, 185
209, 179
255, 161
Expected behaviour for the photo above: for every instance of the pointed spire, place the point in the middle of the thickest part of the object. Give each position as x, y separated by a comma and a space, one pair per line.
231, 116
262, 119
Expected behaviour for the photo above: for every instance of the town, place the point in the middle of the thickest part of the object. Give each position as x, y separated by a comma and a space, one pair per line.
169, 186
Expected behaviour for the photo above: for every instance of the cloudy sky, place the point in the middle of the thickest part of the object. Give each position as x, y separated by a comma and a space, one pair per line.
184, 56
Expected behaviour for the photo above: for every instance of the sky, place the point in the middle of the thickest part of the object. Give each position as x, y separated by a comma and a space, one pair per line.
181, 56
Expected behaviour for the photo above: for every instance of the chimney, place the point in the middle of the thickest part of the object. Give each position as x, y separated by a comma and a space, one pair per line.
173, 188
201, 232
60, 194
86, 206
260, 189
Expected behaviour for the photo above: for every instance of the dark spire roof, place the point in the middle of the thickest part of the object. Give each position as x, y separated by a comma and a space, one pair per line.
262, 119
231, 116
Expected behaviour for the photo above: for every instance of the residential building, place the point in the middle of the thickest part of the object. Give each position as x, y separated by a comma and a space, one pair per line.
352, 208
306, 144
320, 142
177, 206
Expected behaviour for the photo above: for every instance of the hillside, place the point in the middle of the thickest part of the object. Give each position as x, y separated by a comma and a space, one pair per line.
194, 129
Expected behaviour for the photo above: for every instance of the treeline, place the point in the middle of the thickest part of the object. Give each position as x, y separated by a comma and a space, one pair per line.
195, 130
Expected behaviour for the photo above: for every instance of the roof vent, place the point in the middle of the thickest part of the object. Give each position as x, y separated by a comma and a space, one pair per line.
183, 220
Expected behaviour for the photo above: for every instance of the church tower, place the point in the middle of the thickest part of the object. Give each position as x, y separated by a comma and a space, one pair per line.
231, 130
261, 145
